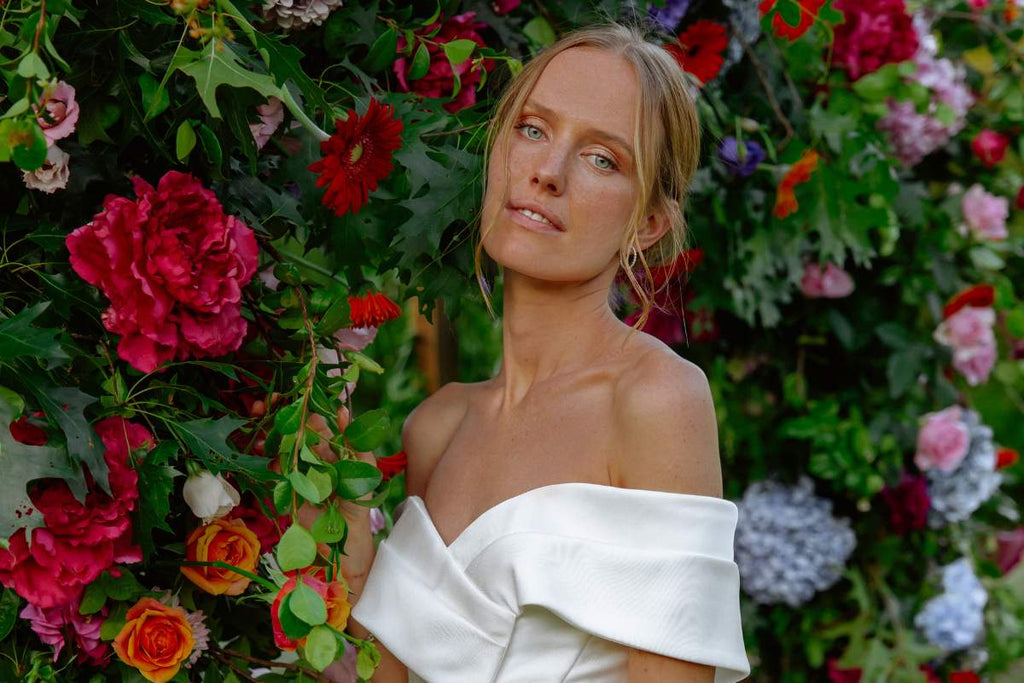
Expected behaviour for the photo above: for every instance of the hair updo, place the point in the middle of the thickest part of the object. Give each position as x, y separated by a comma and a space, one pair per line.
666, 142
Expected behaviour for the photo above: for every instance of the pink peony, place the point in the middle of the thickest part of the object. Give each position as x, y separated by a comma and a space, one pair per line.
975, 363
990, 147
57, 113
874, 33
1010, 547
173, 266
53, 624
52, 175
439, 79
833, 282
79, 541
942, 441
986, 213
908, 503
271, 116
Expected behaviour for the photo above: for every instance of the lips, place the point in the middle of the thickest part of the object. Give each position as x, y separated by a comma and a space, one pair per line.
537, 208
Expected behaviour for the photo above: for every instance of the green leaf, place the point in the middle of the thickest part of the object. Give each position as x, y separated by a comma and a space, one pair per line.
876, 87
364, 362
383, 51
155, 496
83, 444
322, 481
185, 141
155, 99
539, 31
32, 66
93, 599
292, 626
367, 660
420, 63
304, 487
9, 604
21, 464
1015, 322
19, 339
368, 430
213, 68
208, 440
283, 496
458, 51
329, 527
211, 145
321, 648
356, 478
296, 549
307, 604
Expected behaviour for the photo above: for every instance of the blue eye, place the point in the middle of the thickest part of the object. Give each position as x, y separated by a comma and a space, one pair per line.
529, 128
609, 165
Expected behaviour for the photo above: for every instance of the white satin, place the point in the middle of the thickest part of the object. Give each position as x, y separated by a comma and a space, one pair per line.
553, 584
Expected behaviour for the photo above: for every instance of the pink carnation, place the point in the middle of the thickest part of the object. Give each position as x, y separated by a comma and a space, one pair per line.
52, 175
874, 33
57, 113
986, 213
79, 541
942, 441
833, 282
54, 624
173, 266
439, 80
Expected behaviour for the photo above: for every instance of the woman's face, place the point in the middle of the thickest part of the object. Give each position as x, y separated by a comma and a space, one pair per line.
570, 160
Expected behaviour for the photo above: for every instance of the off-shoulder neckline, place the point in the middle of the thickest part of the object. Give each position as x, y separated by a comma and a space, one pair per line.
597, 488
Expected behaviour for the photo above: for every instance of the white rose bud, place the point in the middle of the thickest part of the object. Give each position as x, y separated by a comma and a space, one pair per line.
209, 496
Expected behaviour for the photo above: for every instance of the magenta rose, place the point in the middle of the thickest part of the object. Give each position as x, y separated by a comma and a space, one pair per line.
833, 282
908, 503
78, 542
873, 33
985, 213
990, 147
439, 80
173, 266
57, 113
942, 441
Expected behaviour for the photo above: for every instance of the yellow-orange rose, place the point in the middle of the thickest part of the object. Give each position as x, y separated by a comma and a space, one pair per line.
227, 541
338, 607
155, 639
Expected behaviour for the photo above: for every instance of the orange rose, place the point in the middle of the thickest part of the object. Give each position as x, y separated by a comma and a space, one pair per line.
227, 541
155, 639
338, 607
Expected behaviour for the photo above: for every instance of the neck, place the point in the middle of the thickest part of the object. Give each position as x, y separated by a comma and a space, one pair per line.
551, 329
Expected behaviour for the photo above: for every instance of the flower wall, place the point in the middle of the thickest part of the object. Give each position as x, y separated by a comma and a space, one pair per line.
220, 216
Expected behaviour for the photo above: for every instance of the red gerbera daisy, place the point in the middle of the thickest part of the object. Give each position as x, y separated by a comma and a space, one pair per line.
392, 464
699, 50
357, 156
808, 13
372, 310
979, 296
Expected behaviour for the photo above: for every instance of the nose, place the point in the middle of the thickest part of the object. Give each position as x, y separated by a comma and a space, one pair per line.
549, 172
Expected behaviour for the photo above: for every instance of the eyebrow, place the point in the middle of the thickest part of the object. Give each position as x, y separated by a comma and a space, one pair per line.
550, 113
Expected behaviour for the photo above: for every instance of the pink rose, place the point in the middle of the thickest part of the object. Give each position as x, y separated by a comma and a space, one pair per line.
833, 282
942, 441
271, 116
79, 541
52, 175
57, 113
173, 266
873, 33
975, 363
990, 147
439, 79
970, 326
54, 623
986, 213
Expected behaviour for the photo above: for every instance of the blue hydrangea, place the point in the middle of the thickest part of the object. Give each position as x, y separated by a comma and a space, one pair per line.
955, 495
788, 546
954, 619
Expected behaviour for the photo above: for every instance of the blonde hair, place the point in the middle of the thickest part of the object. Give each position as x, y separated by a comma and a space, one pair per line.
666, 141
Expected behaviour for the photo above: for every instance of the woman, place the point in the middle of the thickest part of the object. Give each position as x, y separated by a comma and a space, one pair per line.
565, 519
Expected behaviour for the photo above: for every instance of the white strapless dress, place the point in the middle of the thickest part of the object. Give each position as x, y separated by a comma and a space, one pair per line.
555, 583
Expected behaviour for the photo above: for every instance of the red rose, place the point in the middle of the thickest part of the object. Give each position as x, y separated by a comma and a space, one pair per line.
78, 541
439, 80
874, 33
173, 266
990, 147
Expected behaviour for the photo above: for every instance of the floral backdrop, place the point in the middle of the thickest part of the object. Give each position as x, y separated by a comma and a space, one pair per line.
221, 218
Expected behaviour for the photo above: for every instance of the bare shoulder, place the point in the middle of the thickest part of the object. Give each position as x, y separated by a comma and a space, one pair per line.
666, 426
428, 429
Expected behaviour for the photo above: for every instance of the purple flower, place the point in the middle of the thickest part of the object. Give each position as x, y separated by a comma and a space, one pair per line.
740, 164
667, 18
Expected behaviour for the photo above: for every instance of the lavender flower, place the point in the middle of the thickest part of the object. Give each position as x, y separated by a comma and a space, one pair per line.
957, 494
667, 18
788, 545
742, 165
954, 619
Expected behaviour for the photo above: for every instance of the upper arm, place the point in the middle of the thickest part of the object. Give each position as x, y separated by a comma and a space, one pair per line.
667, 429
427, 431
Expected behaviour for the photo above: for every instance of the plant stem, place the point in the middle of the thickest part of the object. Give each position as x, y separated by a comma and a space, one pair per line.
220, 564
